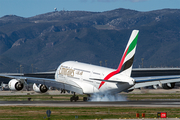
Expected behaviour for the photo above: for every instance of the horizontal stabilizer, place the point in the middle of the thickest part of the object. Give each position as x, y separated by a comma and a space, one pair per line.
108, 80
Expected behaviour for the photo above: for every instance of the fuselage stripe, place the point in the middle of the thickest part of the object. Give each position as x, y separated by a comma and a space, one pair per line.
127, 64
114, 72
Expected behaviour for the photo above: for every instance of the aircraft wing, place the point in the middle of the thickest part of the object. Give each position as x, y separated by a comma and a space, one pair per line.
154, 80
49, 82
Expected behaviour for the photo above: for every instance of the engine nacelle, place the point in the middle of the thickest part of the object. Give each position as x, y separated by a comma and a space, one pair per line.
127, 91
15, 85
168, 86
155, 86
40, 88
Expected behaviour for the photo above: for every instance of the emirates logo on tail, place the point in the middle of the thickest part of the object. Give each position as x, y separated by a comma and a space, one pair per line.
125, 66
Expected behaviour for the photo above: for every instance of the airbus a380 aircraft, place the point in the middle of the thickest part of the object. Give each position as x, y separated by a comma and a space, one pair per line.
91, 79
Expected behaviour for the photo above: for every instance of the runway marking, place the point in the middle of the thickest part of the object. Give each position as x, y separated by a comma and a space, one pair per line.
93, 104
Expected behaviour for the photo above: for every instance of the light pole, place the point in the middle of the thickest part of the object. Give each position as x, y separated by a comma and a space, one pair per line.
100, 63
20, 68
106, 63
142, 61
32, 67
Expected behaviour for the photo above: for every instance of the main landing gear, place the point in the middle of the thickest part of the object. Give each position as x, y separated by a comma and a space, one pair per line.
86, 98
74, 98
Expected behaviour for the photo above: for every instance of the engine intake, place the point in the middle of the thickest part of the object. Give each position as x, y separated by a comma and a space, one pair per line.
168, 86
40, 88
127, 91
15, 85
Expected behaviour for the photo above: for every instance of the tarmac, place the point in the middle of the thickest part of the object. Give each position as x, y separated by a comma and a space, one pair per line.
93, 104
139, 103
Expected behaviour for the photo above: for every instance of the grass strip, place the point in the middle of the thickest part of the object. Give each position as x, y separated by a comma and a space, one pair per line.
29, 113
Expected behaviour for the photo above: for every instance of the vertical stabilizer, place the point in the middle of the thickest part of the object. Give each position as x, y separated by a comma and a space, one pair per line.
125, 66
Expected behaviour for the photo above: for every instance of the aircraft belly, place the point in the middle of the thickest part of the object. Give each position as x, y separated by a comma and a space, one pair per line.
89, 89
112, 88
123, 86
69, 84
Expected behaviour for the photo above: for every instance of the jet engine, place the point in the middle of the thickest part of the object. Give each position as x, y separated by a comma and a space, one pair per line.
168, 86
14, 85
40, 88
127, 91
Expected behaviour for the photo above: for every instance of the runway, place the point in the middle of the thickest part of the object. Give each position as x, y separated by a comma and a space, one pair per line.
161, 103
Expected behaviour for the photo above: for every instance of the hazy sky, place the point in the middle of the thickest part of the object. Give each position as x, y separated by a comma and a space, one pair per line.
28, 8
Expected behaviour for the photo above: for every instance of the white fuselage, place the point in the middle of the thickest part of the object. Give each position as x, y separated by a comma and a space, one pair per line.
80, 73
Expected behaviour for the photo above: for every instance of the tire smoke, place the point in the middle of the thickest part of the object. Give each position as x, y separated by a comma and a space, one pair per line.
108, 97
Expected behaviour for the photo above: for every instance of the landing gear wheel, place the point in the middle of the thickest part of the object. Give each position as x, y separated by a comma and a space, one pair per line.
71, 99
74, 97
77, 97
84, 98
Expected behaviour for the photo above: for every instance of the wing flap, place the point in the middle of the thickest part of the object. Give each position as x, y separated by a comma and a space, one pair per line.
150, 79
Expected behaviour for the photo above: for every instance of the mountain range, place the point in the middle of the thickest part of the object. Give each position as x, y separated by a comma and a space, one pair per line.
42, 42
